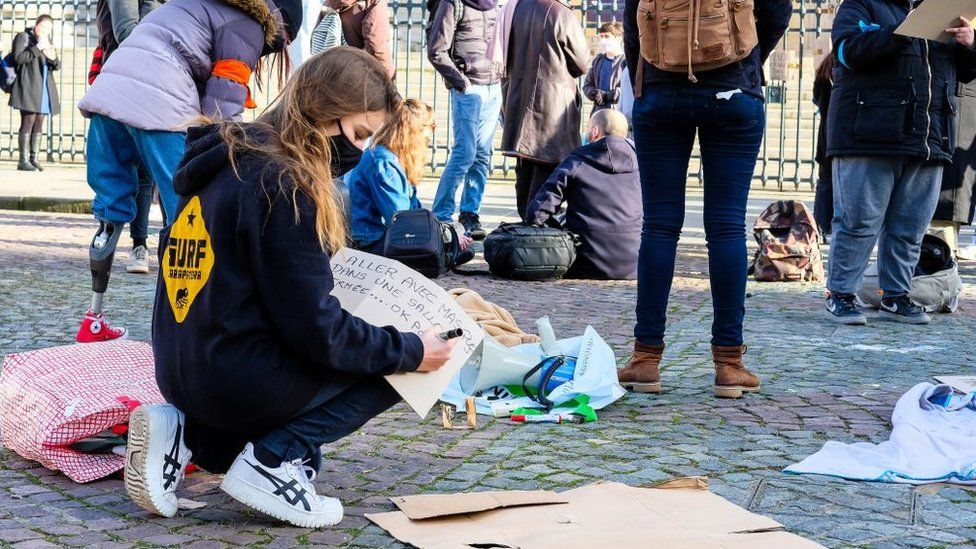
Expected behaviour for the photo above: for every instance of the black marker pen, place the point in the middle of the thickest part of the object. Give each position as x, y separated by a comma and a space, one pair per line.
451, 334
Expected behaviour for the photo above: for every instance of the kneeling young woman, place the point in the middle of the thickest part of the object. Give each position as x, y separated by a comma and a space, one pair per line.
259, 364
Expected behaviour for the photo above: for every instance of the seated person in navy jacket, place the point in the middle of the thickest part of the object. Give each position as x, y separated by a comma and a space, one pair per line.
600, 182
385, 181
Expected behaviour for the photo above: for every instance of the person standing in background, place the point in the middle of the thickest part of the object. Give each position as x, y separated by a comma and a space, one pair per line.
545, 52
956, 202
457, 46
823, 202
366, 25
34, 93
602, 84
724, 108
116, 19
889, 135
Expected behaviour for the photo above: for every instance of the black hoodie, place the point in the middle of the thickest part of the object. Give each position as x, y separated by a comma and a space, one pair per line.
602, 186
245, 332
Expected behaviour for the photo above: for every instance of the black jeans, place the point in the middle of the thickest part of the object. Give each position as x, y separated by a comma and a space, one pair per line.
729, 131
530, 175
300, 437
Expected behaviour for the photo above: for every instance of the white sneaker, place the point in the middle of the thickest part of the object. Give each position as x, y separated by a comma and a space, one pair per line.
156, 457
138, 261
285, 493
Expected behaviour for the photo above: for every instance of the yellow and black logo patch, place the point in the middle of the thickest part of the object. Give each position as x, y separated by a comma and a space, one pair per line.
187, 259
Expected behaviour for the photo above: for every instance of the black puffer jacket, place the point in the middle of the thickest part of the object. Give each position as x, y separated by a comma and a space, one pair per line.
457, 48
892, 95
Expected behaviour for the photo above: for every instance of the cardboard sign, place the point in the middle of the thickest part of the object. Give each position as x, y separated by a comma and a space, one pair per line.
606, 514
779, 62
930, 20
962, 384
385, 292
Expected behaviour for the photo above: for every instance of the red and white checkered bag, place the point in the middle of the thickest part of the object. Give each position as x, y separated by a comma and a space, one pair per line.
51, 398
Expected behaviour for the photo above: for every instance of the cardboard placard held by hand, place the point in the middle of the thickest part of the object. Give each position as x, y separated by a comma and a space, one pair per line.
384, 292
930, 20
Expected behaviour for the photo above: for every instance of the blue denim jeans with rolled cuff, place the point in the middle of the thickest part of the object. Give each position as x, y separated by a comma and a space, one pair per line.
666, 121
475, 118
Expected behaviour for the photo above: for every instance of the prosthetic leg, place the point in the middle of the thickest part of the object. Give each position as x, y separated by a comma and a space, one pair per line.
101, 253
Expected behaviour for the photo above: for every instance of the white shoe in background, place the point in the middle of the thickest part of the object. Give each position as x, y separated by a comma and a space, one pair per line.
285, 492
138, 261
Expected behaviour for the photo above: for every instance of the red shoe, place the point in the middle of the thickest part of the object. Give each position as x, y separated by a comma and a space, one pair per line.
94, 329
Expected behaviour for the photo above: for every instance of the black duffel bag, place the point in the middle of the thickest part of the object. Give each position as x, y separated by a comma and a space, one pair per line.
416, 239
529, 252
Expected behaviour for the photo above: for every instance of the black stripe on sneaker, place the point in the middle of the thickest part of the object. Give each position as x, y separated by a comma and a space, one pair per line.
171, 461
282, 488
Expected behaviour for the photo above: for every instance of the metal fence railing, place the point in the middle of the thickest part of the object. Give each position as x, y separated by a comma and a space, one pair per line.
785, 163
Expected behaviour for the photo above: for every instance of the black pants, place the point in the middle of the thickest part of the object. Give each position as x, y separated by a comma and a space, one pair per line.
530, 175
823, 202
31, 122
300, 437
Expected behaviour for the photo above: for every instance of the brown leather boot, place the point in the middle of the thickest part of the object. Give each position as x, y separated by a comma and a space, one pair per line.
642, 373
731, 377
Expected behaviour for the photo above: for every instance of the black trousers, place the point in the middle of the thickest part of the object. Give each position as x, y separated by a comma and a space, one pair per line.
530, 175
298, 438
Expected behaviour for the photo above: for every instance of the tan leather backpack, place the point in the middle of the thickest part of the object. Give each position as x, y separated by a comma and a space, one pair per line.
695, 35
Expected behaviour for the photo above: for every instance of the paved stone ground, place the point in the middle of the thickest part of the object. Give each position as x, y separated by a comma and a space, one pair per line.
821, 382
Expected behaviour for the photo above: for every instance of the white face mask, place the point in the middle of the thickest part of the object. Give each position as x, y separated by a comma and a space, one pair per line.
610, 46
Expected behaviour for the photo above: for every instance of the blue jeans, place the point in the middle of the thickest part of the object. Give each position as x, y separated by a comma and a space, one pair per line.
114, 151
475, 117
729, 134
885, 199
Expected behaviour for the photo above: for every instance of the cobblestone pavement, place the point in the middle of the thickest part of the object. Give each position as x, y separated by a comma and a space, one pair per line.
820, 382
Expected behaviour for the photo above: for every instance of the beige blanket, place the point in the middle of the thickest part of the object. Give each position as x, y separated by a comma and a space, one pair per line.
496, 321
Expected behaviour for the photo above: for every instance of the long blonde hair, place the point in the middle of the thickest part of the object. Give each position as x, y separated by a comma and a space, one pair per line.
336, 83
403, 134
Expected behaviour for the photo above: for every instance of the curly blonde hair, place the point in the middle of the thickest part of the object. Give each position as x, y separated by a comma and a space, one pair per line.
404, 135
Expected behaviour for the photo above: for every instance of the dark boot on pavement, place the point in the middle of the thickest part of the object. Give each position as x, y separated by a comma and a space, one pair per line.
642, 374
472, 225
35, 151
731, 377
23, 141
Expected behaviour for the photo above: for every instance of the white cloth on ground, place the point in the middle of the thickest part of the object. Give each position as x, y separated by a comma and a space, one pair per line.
933, 439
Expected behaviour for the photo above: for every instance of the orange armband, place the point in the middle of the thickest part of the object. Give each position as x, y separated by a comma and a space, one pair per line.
236, 71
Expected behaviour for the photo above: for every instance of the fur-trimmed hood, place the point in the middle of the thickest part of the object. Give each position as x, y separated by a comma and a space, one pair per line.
269, 14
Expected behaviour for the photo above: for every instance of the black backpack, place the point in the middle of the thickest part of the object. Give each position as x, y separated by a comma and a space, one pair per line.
416, 239
432, 10
8, 72
528, 252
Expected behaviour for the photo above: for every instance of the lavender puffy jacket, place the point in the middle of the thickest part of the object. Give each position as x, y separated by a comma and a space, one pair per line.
160, 77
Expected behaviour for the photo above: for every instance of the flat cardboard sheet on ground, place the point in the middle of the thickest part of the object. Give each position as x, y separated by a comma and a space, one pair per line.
962, 384
385, 292
605, 514
930, 20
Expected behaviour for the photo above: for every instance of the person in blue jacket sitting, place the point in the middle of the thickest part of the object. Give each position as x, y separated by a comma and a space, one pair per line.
386, 178
889, 134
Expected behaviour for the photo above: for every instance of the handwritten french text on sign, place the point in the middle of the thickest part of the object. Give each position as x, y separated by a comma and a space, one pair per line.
385, 292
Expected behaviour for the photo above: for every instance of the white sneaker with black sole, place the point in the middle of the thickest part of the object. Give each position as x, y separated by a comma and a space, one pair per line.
156, 457
285, 492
